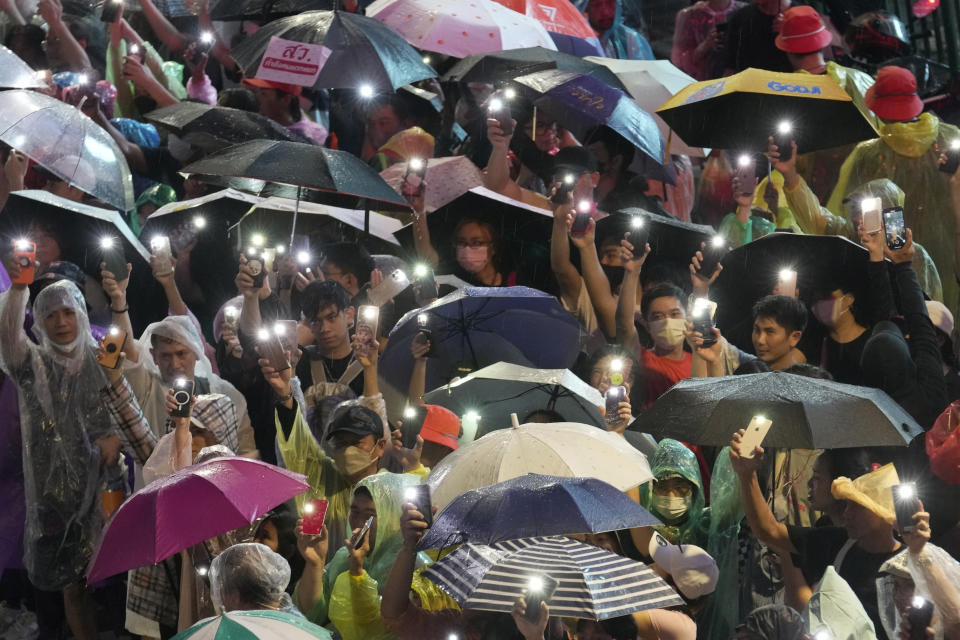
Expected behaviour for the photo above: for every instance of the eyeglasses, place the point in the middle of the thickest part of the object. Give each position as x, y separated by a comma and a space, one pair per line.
473, 244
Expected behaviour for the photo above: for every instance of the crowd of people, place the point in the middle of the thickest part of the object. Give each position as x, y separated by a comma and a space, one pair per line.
759, 544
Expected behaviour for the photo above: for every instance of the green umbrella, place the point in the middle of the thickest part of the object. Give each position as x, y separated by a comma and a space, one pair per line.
254, 625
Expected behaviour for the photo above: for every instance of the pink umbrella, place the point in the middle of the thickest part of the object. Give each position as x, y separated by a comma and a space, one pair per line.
460, 27
447, 179
187, 507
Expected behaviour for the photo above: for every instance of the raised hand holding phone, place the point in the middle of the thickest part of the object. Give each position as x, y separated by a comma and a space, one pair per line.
753, 437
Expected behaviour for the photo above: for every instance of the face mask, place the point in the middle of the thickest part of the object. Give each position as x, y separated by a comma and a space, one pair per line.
828, 311
472, 259
668, 331
672, 509
351, 460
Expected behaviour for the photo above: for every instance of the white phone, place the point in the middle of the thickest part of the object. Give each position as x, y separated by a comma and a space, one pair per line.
754, 435
389, 288
788, 282
872, 214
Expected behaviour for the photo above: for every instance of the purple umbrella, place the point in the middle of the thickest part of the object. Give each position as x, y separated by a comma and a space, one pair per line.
187, 507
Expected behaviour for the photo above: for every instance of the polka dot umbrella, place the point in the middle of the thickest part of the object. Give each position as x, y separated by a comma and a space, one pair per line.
460, 28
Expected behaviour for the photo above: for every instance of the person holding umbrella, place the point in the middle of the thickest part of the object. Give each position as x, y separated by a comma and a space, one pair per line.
280, 102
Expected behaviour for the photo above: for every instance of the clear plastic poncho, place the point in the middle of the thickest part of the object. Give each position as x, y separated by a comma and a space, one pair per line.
673, 459
908, 154
182, 330
249, 576
62, 416
835, 608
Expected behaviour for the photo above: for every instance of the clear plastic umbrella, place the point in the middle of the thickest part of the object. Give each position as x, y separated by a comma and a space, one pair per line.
17, 74
62, 140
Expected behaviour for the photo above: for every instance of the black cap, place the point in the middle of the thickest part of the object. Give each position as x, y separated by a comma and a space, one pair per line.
356, 419
574, 159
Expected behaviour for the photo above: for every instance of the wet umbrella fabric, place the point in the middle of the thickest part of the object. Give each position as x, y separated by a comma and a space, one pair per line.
807, 413
557, 16
265, 10
533, 506
254, 625
363, 51
668, 237
17, 74
64, 141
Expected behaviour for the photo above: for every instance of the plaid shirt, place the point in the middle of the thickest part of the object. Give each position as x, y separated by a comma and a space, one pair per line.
150, 591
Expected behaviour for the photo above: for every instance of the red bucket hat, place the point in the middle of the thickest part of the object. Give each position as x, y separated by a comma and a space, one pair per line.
894, 95
441, 426
802, 31
292, 89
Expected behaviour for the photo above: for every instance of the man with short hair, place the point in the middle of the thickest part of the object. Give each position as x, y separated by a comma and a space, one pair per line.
386, 115
347, 264
778, 324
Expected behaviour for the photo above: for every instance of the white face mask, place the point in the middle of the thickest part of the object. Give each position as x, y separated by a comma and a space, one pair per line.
670, 508
668, 332
828, 311
472, 259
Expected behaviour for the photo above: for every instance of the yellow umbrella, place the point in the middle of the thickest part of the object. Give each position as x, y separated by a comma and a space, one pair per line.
741, 111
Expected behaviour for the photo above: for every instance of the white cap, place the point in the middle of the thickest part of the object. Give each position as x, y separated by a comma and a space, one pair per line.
940, 316
693, 570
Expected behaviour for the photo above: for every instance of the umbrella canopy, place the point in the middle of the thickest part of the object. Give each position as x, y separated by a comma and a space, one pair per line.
17, 74
187, 507
254, 625
669, 238
265, 10
557, 16
807, 413
580, 102
507, 65
213, 128
478, 326
580, 47
593, 583
496, 391
228, 205
651, 83
532, 506
741, 111
459, 29
339, 178
80, 227
274, 215
350, 51
446, 179
62, 140
558, 449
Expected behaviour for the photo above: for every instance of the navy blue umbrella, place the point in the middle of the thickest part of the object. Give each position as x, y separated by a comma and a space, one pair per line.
581, 102
478, 326
535, 505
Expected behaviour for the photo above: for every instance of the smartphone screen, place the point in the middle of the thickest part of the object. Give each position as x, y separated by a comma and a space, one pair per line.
871, 215
272, 350
182, 394
314, 513
539, 589
755, 433
25, 254
905, 504
614, 396
895, 228
419, 496
113, 344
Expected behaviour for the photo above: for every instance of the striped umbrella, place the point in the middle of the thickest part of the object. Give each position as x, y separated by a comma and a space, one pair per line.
254, 625
593, 582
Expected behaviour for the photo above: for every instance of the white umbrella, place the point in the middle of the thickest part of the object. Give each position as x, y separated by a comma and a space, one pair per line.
459, 30
446, 179
651, 83
565, 449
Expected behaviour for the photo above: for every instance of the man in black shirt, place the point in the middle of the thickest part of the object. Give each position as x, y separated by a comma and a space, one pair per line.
750, 37
856, 549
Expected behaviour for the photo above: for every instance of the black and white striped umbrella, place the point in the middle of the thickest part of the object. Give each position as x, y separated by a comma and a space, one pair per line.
593, 583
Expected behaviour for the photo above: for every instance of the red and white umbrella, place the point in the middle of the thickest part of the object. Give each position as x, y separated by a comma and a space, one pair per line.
460, 28
558, 16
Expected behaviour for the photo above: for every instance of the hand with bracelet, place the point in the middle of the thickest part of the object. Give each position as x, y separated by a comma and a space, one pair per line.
115, 289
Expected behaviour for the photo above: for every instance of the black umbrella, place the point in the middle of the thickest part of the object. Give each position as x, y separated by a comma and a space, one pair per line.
507, 65
265, 10
807, 413
337, 178
668, 237
363, 52
213, 128
221, 209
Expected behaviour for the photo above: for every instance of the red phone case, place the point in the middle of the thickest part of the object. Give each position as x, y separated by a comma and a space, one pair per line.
313, 522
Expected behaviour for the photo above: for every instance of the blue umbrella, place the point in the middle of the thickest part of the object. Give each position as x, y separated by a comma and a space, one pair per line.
535, 505
580, 47
580, 102
479, 326
592, 583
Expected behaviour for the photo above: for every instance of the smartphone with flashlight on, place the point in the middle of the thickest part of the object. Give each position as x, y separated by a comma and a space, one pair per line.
112, 345
203, 46
368, 318
895, 228
953, 157
413, 180
612, 399
498, 109
419, 496
702, 317
357, 540
783, 138
424, 333
183, 390
424, 283
286, 332
919, 615
160, 248
905, 505
271, 349
25, 255
111, 9
111, 253
871, 215
135, 51
389, 288
581, 218
746, 174
314, 513
714, 252
256, 266
411, 425
540, 588
639, 234
787, 283
564, 188
753, 437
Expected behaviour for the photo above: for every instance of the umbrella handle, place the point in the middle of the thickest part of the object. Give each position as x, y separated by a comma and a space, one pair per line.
514, 422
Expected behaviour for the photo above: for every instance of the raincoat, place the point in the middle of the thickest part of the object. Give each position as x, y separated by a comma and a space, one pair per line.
907, 153
834, 607
61, 418
620, 41
739, 233
715, 528
815, 219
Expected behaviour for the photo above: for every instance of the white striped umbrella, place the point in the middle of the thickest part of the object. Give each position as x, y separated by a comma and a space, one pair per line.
593, 583
254, 625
